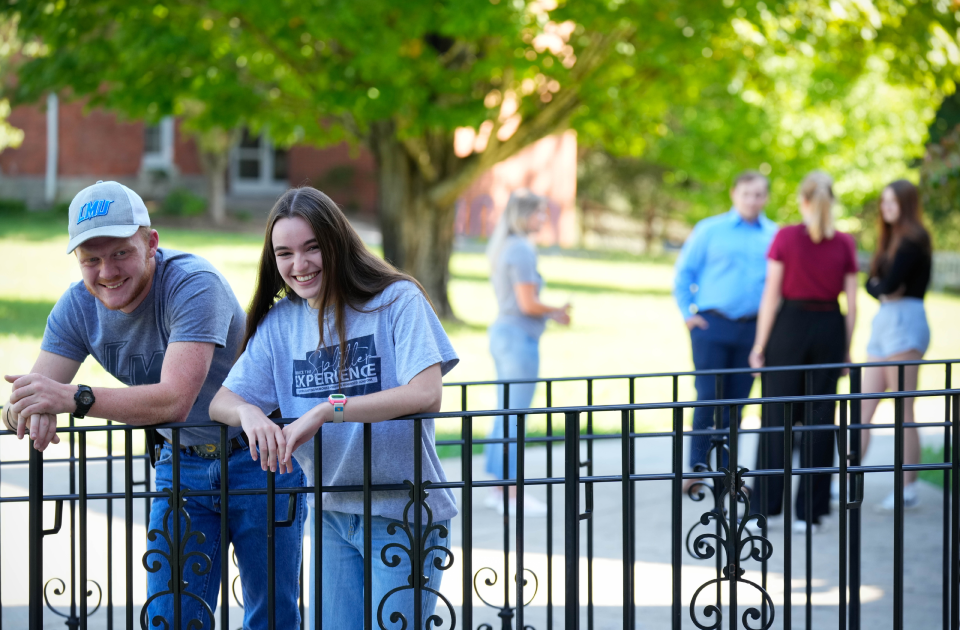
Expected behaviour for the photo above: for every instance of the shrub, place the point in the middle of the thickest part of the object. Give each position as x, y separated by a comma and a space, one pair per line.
181, 202
12, 206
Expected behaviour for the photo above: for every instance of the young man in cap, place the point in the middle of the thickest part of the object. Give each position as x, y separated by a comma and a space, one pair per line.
167, 325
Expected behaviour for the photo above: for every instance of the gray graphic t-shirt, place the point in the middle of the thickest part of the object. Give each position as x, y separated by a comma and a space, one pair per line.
189, 301
282, 368
517, 264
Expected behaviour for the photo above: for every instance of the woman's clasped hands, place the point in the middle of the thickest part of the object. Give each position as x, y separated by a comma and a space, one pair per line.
274, 445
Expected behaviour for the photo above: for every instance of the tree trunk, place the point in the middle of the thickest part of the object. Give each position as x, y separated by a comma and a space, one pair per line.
214, 147
217, 180
417, 232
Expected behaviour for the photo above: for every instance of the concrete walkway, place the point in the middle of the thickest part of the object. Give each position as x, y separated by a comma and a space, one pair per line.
923, 550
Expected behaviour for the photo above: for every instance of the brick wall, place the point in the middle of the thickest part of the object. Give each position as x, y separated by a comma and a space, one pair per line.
347, 175
97, 144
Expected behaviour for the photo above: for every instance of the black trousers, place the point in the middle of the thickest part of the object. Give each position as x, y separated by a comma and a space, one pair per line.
804, 333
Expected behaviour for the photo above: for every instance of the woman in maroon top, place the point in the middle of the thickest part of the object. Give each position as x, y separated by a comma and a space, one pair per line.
800, 323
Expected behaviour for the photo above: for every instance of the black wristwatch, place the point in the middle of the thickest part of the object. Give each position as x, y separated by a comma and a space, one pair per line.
84, 399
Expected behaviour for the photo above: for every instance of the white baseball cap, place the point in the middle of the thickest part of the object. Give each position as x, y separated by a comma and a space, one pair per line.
105, 209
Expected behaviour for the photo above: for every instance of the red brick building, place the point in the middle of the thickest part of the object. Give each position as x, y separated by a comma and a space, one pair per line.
66, 149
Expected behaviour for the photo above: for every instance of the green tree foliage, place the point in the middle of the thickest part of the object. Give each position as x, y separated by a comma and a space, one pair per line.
690, 85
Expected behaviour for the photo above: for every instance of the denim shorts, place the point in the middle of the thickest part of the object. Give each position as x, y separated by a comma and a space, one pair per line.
899, 326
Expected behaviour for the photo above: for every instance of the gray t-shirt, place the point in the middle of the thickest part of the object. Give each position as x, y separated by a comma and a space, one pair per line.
189, 301
282, 368
517, 263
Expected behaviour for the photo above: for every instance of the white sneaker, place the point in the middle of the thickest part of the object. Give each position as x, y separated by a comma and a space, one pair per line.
800, 527
532, 508
494, 500
911, 499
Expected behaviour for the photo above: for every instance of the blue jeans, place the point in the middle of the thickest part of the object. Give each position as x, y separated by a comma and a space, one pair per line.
517, 357
343, 572
725, 344
247, 523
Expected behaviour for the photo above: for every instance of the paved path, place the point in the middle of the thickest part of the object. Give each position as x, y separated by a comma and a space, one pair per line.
923, 550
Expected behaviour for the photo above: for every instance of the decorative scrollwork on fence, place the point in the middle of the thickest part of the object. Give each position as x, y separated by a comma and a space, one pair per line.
733, 540
506, 611
61, 589
198, 562
443, 559
717, 489
235, 582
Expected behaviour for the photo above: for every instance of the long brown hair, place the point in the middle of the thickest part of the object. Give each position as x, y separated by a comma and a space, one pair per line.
908, 226
351, 276
817, 188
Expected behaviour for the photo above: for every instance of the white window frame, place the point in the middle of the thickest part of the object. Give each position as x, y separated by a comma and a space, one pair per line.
265, 184
163, 159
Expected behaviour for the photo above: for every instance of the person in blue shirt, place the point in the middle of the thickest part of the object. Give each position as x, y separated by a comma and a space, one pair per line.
720, 275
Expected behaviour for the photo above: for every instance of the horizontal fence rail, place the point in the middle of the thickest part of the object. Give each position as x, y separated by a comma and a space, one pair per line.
730, 534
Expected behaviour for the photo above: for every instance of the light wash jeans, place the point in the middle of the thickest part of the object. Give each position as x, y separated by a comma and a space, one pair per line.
517, 356
343, 572
247, 522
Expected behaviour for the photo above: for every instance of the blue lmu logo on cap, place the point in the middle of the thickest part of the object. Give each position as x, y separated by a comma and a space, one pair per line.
92, 209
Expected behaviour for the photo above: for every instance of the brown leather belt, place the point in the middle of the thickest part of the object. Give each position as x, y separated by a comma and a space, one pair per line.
212, 451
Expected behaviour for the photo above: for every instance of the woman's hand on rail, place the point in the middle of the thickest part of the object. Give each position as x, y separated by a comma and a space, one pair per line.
299, 432
266, 436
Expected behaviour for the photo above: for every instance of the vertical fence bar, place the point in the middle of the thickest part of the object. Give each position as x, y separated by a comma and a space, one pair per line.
626, 510
571, 520
945, 605
35, 570
506, 500
73, 524
271, 549
733, 553
590, 610
789, 412
1, 522
466, 472
676, 516
224, 531
853, 613
368, 526
316, 597
717, 499
807, 442
898, 511
633, 499
128, 524
83, 531
955, 529
176, 564
109, 529
549, 508
417, 567
521, 431
842, 552
762, 484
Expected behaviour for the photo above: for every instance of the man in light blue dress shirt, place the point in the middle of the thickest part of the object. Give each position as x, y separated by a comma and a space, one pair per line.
719, 280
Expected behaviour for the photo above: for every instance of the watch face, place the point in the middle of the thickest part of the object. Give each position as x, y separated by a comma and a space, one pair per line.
86, 398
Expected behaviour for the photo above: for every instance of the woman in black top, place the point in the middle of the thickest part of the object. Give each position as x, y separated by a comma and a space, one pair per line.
899, 275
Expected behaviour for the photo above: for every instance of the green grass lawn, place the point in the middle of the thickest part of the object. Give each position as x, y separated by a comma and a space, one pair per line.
624, 318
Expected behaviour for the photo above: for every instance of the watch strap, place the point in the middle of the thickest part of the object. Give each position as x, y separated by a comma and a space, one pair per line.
338, 411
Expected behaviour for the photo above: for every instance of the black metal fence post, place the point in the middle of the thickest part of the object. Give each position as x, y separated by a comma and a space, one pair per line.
853, 616
35, 525
571, 520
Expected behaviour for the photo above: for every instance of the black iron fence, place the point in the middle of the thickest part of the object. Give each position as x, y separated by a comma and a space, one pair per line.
731, 533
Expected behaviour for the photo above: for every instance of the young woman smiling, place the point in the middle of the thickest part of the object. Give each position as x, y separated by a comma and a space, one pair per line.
336, 337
